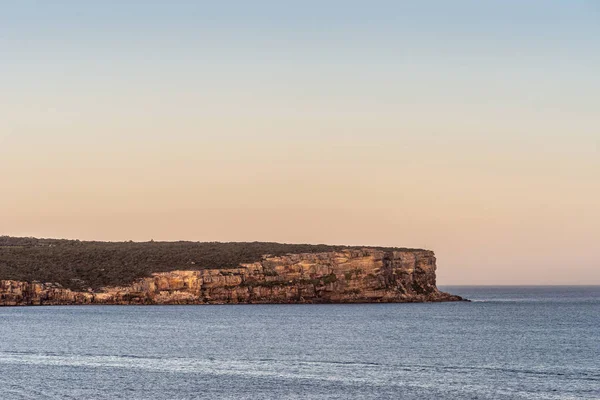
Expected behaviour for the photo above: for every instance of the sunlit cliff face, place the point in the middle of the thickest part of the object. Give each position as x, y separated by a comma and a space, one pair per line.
346, 276
477, 140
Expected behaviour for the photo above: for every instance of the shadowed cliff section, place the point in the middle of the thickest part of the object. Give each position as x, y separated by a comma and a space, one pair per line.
83, 265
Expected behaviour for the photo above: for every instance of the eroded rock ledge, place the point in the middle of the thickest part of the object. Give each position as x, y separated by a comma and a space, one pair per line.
348, 276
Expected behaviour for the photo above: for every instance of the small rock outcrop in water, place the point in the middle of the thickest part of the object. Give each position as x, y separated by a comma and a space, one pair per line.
348, 276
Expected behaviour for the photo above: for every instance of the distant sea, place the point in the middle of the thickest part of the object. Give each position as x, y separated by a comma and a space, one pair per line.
509, 343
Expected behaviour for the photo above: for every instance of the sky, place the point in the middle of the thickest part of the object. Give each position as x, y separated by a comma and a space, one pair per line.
470, 128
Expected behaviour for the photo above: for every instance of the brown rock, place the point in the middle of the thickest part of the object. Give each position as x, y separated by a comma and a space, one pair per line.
349, 276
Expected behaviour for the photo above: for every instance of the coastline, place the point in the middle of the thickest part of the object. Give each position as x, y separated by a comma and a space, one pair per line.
352, 276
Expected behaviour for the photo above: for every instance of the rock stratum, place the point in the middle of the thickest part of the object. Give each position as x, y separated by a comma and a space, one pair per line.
365, 275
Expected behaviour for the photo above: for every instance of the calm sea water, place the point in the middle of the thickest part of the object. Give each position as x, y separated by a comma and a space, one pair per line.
509, 343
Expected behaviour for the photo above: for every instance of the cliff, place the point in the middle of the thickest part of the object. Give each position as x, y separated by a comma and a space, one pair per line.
346, 276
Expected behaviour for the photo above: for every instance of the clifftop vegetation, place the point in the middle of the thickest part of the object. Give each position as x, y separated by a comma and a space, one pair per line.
81, 264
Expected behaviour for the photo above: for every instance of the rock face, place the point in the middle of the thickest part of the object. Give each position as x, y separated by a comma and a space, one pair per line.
349, 276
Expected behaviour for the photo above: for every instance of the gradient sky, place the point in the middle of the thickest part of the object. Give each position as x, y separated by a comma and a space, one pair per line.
468, 127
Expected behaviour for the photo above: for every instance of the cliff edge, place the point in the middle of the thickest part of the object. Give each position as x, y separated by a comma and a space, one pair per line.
351, 275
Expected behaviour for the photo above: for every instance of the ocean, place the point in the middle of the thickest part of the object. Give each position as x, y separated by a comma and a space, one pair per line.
508, 343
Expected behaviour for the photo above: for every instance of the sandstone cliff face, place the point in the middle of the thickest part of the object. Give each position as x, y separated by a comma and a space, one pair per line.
349, 276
